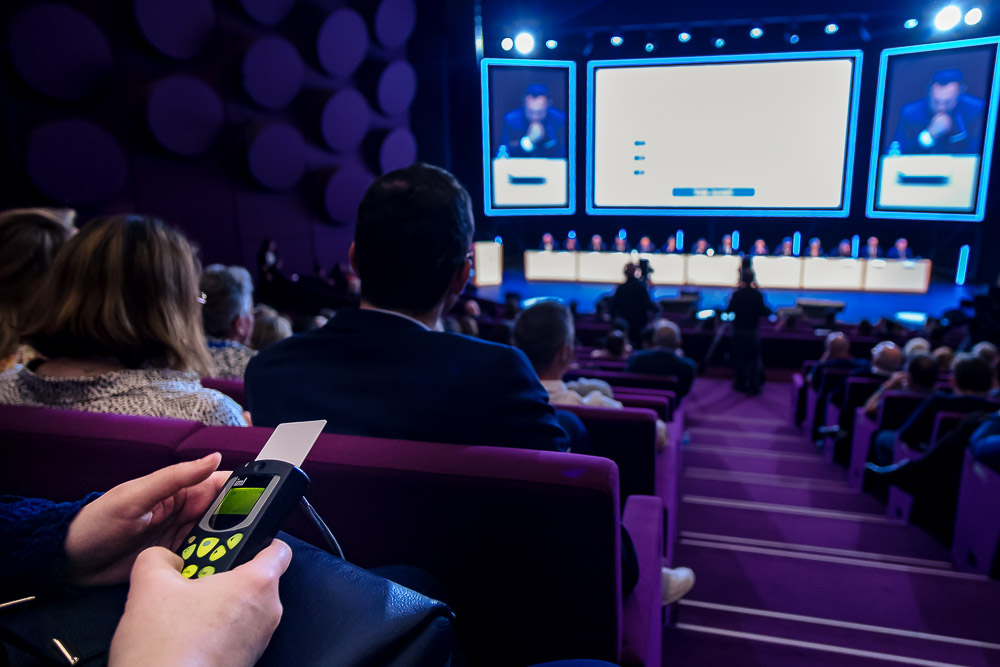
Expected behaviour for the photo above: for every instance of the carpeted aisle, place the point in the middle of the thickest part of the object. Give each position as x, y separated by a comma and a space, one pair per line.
796, 568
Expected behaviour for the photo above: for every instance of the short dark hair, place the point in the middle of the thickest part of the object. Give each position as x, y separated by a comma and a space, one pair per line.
923, 370
417, 220
536, 90
614, 343
228, 294
943, 77
970, 373
541, 330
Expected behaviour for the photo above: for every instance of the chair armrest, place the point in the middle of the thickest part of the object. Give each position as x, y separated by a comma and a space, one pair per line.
643, 610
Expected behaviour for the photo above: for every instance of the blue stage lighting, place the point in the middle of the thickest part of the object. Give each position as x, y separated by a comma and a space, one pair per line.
679, 237
855, 245
963, 265
910, 24
973, 16
796, 243
617, 40
756, 32
507, 44
622, 235
831, 28
719, 43
684, 37
551, 43
498, 240
571, 235
791, 38
650, 47
524, 43
948, 18
736, 240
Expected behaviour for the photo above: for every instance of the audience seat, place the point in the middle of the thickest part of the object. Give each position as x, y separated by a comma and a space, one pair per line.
623, 379
857, 391
526, 544
231, 388
896, 407
976, 545
900, 503
817, 402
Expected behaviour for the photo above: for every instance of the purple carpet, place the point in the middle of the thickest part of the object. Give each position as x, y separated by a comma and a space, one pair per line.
796, 568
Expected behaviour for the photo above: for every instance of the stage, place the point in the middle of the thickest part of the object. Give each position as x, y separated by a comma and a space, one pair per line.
940, 296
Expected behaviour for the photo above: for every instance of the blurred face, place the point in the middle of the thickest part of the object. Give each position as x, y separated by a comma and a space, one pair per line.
759, 244
535, 107
645, 242
901, 244
702, 245
943, 98
671, 243
845, 248
872, 242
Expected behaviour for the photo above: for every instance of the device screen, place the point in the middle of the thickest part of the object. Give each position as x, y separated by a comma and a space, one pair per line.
239, 501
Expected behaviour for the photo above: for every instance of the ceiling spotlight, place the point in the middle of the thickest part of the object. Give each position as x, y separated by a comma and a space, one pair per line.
948, 18
791, 38
684, 37
524, 43
507, 44
973, 16
756, 32
910, 24
650, 47
616, 40
719, 42
551, 43
831, 28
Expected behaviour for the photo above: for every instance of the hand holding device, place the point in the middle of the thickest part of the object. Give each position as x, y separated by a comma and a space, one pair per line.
940, 124
225, 620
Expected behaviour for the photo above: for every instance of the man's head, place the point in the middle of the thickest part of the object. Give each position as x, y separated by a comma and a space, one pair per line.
417, 220
845, 247
923, 371
887, 357
916, 346
701, 246
838, 346
645, 244
872, 241
986, 351
901, 244
971, 375
596, 242
614, 343
571, 243
946, 86
545, 334
666, 335
671, 243
759, 245
727, 241
536, 102
547, 239
227, 313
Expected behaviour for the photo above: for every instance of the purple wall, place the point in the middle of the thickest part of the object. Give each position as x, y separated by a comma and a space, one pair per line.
236, 121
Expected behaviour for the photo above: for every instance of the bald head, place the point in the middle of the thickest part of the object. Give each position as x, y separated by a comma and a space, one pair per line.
838, 346
667, 335
887, 357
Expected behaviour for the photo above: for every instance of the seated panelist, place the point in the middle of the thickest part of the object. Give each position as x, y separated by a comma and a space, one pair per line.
597, 243
843, 249
759, 248
900, 250
872, 249
646, 245
727, 246
815, 247
549, 242
786, 249
670, 247
700, 247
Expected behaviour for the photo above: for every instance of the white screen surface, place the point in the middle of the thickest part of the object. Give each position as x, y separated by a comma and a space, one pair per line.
742, 135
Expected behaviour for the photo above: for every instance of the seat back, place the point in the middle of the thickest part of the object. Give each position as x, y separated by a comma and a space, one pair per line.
897, 406
976, 545
231, 388
623, 379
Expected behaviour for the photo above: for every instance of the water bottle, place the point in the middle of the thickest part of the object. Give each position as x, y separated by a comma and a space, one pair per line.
502, 153
894, 149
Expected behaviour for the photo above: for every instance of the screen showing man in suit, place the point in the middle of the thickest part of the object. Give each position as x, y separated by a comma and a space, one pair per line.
528, 142
935, 107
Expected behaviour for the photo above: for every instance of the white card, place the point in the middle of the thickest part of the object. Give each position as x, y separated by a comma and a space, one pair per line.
291, 442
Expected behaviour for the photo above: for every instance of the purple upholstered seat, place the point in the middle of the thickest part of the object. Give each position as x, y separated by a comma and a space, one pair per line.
900, 503
977, 522
623, 379
897, 406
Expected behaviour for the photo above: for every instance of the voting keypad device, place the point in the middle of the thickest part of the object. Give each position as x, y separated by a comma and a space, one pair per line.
253, 503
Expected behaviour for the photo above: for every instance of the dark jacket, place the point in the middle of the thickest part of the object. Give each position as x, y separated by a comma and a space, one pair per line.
377, 374
664, 362
918, 429
966, 135
747, 306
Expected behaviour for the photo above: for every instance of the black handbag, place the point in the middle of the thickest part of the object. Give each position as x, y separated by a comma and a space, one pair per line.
335, 613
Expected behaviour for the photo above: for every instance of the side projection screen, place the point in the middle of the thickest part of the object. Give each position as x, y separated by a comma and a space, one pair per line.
768, 134
934, 126
529, 136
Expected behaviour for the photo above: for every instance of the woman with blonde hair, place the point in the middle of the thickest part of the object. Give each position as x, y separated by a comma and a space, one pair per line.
118, 323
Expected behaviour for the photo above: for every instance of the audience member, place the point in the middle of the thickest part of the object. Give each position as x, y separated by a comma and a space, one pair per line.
665, 358
119, 326
747, 306
383, 370
971, 379
887, 358
836, 354
29, 239
944, 356
228, 318
986, 351
920, 376
616, 346
269, 327
915, 346
900, 250
985, 442
632, 303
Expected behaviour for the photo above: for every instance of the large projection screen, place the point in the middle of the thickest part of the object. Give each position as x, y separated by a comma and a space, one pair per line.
529, 136
934, 125
768, 134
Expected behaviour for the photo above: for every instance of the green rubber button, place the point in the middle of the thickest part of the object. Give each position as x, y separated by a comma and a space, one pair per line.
234, 540
207, 545
219, 552
206, 571
191, 540
187, 552
189, 571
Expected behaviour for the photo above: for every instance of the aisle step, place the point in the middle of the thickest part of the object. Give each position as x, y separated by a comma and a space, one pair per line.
841, 499
772, 463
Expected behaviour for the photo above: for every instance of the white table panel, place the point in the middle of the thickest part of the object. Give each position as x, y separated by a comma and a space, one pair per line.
488, 257
778, 272
602, 267
716, 271
833, 273
898, 275
549, 265
667, 269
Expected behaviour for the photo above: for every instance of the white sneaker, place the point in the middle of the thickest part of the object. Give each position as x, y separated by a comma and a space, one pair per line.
676, 583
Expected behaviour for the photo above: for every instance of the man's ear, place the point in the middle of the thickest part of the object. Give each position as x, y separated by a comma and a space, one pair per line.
352, 257
461, 277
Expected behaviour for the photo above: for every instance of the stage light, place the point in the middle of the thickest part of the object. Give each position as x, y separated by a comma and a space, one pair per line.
498, 240
736, 240
507, 44
855, 245
684, 37
719, 42
963, 265
948, 18
756, 32
572, 234
650, 47
551, 43
796, 243
791, 38
910, 24
831, 28
621, 234
524, 43
679, 238
973, 16
617, 40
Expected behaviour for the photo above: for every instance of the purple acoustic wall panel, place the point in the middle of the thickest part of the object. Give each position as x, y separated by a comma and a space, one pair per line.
345, 120
59, 51
267, 12
344, 190
75, 162
399, 149
272, 72
178, 29
342, 42
394, 22
184, 114
396, 87
277, 156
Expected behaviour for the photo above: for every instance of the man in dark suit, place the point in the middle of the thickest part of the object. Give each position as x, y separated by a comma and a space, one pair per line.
727, 246
632, 303
872, 249
900, 250
536, 129
948, 121
385, 370
747, 306
663, 358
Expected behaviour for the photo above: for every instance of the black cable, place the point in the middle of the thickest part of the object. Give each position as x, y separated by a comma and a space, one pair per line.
331, 542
